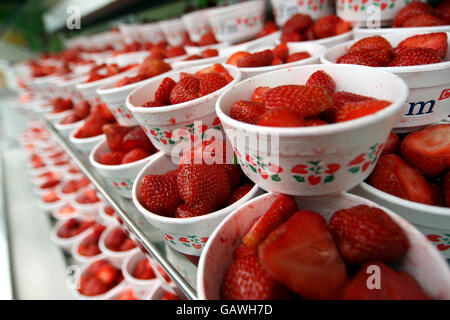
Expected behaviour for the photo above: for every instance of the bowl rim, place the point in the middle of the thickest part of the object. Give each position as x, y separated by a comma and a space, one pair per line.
181, 64
406, 69
66, 241
182, 221
129, 277
332, 128
88, 140
111, 253
118, 167
183, 105
233, 7
67, 126
100, 82
324, 40
426, 208
79, 257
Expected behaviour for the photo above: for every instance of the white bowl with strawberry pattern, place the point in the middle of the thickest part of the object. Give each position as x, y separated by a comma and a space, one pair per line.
432, 221
284, 9
429, 86
151, 32
186, 235
115, 99
182, 123
66, 129
119, 177
315, 50
196, 24
421, 260
237, 22
314, 161
173, 30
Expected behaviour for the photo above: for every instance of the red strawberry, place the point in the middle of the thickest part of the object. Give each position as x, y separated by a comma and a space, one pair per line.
243, 251
239, 192
135, 155
233, 59
396, 177
153, 67
297, 23
392, 144
111, 158
114, 135
258, 94
276, 61
143, 270
436, 41
210, 82
280, 118
291, 37
446, 189
137, 138
205, 186
307, 101
257, 59
160, 194
207, 39
245, 279
71, 118
152, 104
92, 127
437, 193
382, 57
162, 94
354, 110
217, 68
127, 295
301, 254
298, 56
313, 122
108, 274
360, 57
91, 286
424, 20
370, 44
413, 9
339, 99
342, 27
428, 150
326, 26
82, 109
394, 285
233, 170
184, 211
321, 79
281, 51
193, 57
281, 209
247, 111
208, 53
385, 242
185, 90
175, 52
414, 57
269, 27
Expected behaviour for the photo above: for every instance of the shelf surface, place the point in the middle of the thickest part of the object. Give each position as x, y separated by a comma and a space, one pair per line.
179, 268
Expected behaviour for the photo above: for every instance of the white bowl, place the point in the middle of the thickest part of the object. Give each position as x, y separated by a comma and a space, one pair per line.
104, 218
186, 235
266, 41
88, 209
427, 84
315, 50
48, 207
167, 126
116, 257
284, 9
421, 260
198, 49
130, 32
196, 24
85, 145
105, 296
66, 244
65, 129
57, 215
331, 151
237, 22
53, 117
119, 177
140, 287
332, 41
432, 221
151, 32
360, 32
80, 259
173, 30
203, 61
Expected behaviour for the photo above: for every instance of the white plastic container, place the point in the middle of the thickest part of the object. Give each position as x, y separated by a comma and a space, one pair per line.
115, 257
284, 9
140, 287
173, 30
196, 24
66, 244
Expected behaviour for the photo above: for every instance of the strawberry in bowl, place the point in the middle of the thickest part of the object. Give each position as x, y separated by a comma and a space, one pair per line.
99, 280
88, 247
282, 247
205, 56
180, 107
422, 61
138, 272
116, 244
412, 178
74, 119
114, 95
186, 201
66, 233
290, 108
124, 153
87, 202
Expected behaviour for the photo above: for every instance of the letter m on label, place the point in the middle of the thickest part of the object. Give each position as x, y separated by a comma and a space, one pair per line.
418, 108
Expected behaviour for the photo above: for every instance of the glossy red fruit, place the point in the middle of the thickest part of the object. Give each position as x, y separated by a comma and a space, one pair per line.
302, 255
240, 192
207, 39
322, 79
298, 56
210, 82
355, 110
137, 138
413, 9
153, 67
246, 279
208, 53
234, 172
281, 209
393, 285
185, 211
82, 109
143, 270
392, 144
436, 41
135, 154
370, 44
394, 176
217, 68
297, 23
257, 59
385, 242
360, 57
291, 37
415, 57
233, 59
185, 90
258, 94
314, 122
114, 135
281, 51
162, 94
247, 111
280, 118
160, 194
424, 20
243, 251
88, 196
326, 26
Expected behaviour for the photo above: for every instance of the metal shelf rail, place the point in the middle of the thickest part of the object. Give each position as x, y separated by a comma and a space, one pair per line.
178, 267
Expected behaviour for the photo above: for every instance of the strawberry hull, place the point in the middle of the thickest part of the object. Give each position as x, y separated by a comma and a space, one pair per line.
421, 261
186, 235
333, 158
432, 221
428, 101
